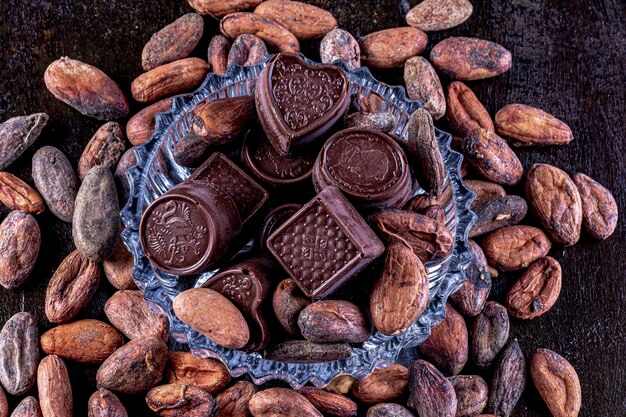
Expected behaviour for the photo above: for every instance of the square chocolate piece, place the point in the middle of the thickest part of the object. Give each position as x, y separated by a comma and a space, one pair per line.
324, 244
246, 193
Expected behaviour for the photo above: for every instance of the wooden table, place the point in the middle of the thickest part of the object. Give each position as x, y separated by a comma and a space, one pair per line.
569, 59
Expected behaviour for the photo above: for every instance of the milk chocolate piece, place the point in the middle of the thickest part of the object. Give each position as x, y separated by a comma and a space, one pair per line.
272, 168
324, 244
274, 220
297, 102
249, 197
248, 285
367, 165
189, 228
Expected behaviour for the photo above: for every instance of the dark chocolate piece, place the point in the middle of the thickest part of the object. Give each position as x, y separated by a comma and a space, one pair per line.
274, 220
189, 228
303, 351
269, 166
368, 166
324, 244
297, 102
247, 194
248, 285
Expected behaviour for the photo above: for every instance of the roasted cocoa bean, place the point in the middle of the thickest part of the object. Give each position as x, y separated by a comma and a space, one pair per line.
528, 126
468, 59
104, 149
247, 50
275, 35
175, 400
464, 111
222, 121
598, 206
424, 152
305, 21
103, 403
471, 394
382, 385
485, 191
28, 407
536, 291
191, 151
557, 382
304, 351
19, 354
55, 390
400, 295
381, 121
187, 369
391, 48
55, 179
175, 41
288, 301
447, 346
71, 287
20, 240
233, 402
18, 134
472, 296
18, 195
556, 202
422, 83
141, 126
217, 54
430, 393
176, 77
515, 247
497, 213
388, 410
340, 45
509, 380
341, 384
489, 334
432, 15
220, 8
329, 403
118, 268
333, 321
281, 402
128, 312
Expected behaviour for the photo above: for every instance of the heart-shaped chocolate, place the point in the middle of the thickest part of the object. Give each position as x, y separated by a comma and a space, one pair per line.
297, 102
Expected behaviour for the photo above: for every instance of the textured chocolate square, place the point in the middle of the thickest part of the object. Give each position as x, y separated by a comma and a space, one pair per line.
246, 193
324, 244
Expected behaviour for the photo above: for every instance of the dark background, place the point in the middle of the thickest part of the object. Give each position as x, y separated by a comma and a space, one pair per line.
569, 59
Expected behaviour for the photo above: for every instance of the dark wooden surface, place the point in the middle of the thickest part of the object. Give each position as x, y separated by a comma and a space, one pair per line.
569, 59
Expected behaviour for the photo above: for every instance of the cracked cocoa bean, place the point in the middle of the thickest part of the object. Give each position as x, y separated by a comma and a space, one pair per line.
497, 213
536, 290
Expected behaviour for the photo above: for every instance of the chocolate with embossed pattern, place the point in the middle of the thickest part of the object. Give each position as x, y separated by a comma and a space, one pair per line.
369, 167
324, 244
298, 102
273, 221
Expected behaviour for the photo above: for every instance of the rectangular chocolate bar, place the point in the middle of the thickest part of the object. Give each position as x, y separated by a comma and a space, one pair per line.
246, 193
324, 244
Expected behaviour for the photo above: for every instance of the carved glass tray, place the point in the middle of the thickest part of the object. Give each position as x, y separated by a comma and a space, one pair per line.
156, 172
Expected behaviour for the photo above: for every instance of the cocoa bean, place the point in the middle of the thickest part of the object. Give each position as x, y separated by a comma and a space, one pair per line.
4, 405
103, 403
468, 59
213, 315
191, 151
471, 394
247, 50
400, 295
135, 367
96, 222
17, 195
55, 179
305, 21
185, 368
509, 380
71, 287
428, 239
340, 45
222, 121
447, 346
391, 48
86, 341
489, 334
220, 8
177, 77
329, 403
86, 89
424, 152
20, 240
388, 410
557, 382
341, 384
485, 191
528, 126
556, 202
281, 402
28, 407
497, 213
217, 54
598, 205
19, 354
333, 321
422, 83
382, 385
536, 291
490, 156
472, 296
432, 15
233, 402
430, 393
175, 400
464, 111
104, 149
118, 268
141, 126
275, 35
18, 134
288, 301
128, 312
515, 247
304, 351
381, 121
175, 41
55, 390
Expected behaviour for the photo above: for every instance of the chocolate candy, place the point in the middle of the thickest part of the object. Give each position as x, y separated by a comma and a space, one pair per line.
297, 102
269, 166
247, 284
189, 228
247, 194
273, 220
368, 166
324, 244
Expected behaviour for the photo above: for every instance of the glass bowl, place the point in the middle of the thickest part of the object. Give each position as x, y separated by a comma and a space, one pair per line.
156, 172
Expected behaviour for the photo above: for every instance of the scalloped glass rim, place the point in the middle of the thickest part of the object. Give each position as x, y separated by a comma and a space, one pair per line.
160, 288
